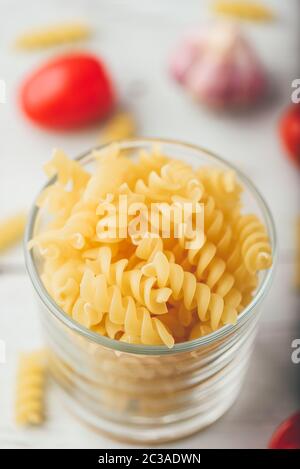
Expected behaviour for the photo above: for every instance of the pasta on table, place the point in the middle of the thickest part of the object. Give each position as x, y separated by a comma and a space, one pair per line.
30, 388
11, 230
121, 126
140, 286
244, 9
53, 35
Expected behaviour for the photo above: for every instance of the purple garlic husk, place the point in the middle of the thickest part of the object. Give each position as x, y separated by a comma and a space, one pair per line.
218, 66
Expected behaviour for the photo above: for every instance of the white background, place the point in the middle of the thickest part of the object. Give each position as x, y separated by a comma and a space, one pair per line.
135, 38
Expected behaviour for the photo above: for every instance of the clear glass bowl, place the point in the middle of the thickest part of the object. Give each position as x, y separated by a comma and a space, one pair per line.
151, 393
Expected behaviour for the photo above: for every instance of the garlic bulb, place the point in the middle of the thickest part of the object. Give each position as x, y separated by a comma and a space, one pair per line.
219, 67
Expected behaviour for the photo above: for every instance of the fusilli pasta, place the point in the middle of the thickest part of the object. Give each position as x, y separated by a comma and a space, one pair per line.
53, 35
120, 126
243, 9
139, 286
30, 388
11, 230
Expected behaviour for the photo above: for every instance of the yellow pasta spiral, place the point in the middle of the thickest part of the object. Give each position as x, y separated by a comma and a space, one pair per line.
66, 170
98, 301
80, 227
11, 230
62, 281
30, 388
113, 169
59, 202
148, 247
217, 230
136, 325
175, 181
151, 161
140, 327
254, 241
131, 282
223, 186
238, 238
237, 249
244, 9
184, 286
217, 238
121, 126
53, 35
211, 270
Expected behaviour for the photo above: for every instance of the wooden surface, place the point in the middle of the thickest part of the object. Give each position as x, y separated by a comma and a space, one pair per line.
135, 38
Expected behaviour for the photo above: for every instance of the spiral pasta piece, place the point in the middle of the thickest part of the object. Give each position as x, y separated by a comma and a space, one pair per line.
133, 283
176, 181
53, 35
184, 286
121, 314
113, 169
62, 281
59, 202
254, 241
121, 126
241, 247
151, 161
244, 9
148, 247
244, 280
223, 186
80, 227
11, 230
140, 327
66, 170
210, 268
216, 240
30, 388
217, 229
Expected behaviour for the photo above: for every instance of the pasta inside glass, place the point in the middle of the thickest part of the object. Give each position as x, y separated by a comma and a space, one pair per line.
149, 392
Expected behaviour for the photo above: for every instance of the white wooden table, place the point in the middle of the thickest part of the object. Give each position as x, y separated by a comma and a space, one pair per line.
135, 38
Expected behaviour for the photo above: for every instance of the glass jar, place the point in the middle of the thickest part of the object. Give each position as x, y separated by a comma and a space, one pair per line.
151, 393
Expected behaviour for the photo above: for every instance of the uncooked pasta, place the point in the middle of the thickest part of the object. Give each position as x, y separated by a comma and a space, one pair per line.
30, 388
11, 230
53, 35
244, 9
122, 125
124, 253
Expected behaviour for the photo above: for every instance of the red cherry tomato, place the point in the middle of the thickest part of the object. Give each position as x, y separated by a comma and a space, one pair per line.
68, 92
290, 132
287, 435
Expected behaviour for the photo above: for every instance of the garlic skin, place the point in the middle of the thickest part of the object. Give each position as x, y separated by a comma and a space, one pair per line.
219, 67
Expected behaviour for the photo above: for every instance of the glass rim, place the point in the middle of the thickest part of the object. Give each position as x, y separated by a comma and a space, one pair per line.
140, 349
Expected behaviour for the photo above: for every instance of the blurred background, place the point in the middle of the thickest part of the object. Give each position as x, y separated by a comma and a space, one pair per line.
159, 87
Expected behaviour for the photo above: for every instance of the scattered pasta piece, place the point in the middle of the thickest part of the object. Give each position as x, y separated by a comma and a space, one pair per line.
11, 230
53, 35
243, 9
30, 388
120, 126
297, 269
153, 287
